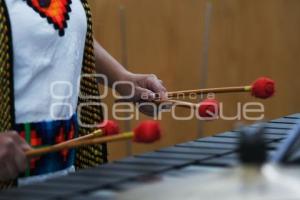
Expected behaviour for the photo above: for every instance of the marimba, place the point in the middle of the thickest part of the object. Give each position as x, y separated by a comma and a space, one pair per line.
204, 155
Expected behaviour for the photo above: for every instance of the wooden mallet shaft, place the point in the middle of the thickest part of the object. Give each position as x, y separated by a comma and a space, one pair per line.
179, 103
77, 144
95, 134
210, 90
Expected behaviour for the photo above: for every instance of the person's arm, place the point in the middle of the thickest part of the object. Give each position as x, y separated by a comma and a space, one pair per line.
145, 85
109, 66
12, 155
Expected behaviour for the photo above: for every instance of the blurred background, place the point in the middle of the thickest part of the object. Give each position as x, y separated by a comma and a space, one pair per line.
203, 43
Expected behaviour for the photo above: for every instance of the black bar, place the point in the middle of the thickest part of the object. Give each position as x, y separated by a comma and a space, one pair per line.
285, 150
276, 126
295, 116
107, 173
269, 137
169, 155
213, 145
219, 140
192, 148
222, 161
285, 121
152, 161
135, 168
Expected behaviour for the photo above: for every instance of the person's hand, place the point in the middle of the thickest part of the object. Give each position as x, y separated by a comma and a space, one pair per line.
144, 87
12, 155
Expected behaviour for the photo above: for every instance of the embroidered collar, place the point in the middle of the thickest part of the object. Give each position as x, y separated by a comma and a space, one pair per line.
56, 12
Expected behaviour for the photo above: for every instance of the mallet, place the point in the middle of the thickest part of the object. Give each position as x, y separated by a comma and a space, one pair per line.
147, 132
261, 88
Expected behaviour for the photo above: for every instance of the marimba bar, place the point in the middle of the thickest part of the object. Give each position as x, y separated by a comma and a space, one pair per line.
199, 156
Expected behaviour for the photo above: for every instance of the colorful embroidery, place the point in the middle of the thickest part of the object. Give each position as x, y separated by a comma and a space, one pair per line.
56, 12
43, 134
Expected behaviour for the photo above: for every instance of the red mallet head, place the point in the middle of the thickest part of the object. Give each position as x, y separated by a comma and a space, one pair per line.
147, 132
209, 108
109, 127
263, 88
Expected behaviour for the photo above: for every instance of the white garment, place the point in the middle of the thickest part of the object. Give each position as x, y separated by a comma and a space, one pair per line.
43, 59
